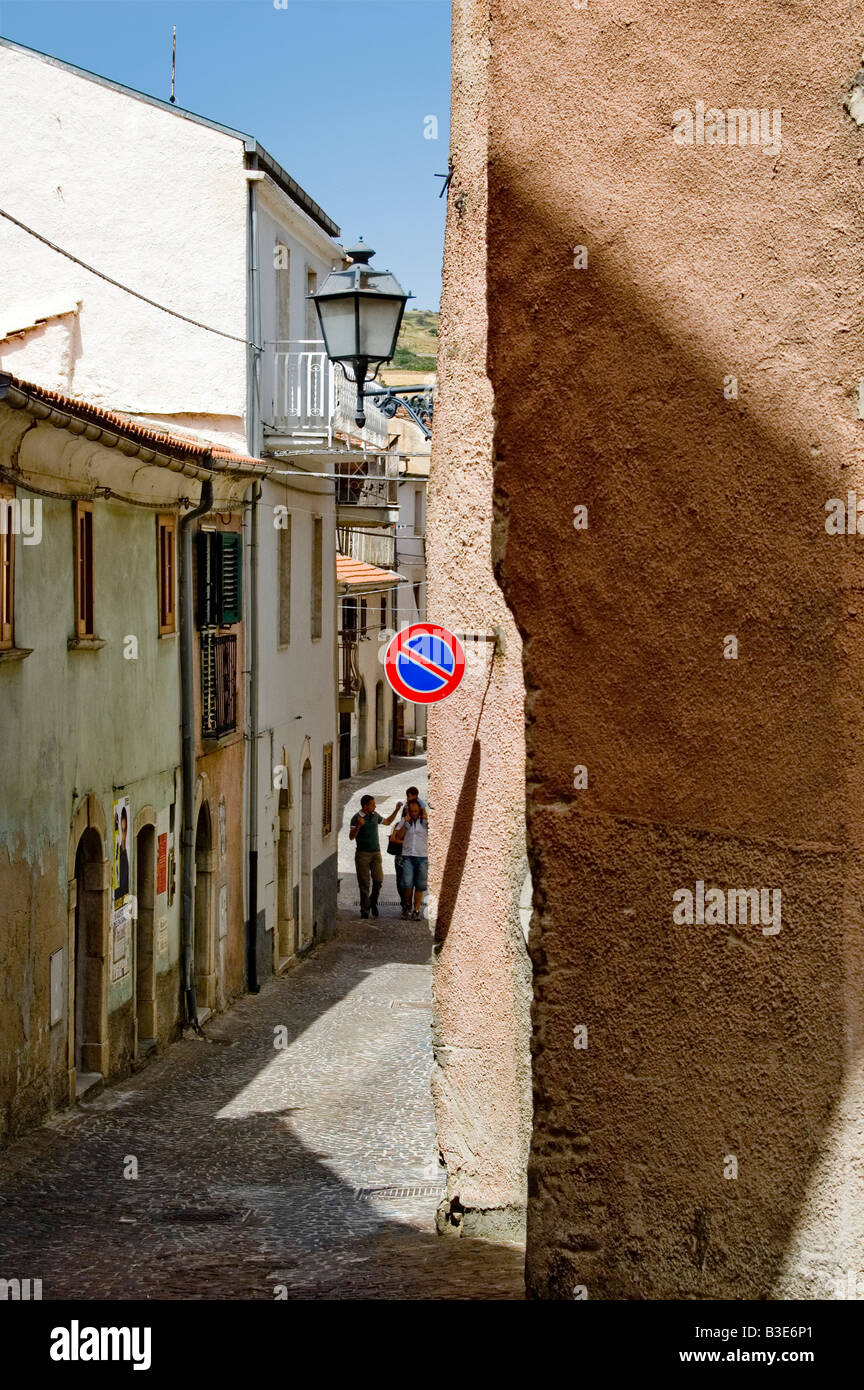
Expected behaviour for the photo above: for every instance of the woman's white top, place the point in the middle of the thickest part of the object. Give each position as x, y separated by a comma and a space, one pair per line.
416, 840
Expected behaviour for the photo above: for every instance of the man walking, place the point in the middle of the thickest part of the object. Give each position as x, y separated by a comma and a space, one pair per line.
367, 854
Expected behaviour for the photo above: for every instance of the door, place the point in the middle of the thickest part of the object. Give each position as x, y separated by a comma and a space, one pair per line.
380, 742
145, 956
344, 746
286, 943
362, 759
90, 908
398, 724
205, 968
306, 905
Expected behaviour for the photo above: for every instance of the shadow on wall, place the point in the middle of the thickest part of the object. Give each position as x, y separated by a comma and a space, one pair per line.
706, 518
457, 849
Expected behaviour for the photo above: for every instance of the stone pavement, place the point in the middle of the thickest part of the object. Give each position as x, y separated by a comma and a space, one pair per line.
310, 1168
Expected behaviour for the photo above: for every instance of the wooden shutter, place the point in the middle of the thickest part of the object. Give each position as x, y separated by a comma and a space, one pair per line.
84, 569
208, 579
327, 791
166, 562
232, 577
317, 575
285, 582
7, 568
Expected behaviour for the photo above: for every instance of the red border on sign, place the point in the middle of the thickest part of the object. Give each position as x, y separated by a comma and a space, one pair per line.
398, 646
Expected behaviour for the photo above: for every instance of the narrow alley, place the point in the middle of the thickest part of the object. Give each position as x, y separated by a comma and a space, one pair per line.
301, 1171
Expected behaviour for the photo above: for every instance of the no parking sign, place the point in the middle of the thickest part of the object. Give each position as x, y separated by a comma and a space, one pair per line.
424, 663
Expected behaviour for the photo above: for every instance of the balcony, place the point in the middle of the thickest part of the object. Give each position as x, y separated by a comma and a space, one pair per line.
312, 402
349, 671
218, 684
366, 491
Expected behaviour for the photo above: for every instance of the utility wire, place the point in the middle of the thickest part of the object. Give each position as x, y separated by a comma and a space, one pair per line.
125, 288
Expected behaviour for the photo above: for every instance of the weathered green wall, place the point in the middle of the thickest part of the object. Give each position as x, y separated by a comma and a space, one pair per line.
77, 723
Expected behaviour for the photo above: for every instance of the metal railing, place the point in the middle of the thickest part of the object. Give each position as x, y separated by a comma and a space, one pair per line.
372, 482
349, 671
218, 684
312, 398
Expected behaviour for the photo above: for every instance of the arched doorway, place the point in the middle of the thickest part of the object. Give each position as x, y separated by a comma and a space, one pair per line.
380, 743
145, 956
306, 922
286, 926
89, 1005
362, 757
205, 970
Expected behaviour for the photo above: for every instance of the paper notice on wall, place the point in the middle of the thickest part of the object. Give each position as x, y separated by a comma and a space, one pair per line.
163, 826
162, 864
121, 952
162, 936
223, 910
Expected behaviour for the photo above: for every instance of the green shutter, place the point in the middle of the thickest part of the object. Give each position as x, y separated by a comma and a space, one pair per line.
232, 578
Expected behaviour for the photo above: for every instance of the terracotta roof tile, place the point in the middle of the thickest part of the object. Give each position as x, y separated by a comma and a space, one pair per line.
356, 572
206, 454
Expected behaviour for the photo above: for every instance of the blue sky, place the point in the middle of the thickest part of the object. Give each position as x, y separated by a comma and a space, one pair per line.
309, 82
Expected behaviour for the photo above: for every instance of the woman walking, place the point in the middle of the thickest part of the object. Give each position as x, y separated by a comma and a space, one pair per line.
415, 860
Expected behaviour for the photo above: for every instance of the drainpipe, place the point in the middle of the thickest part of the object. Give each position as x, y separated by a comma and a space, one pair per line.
187, 701
253, 440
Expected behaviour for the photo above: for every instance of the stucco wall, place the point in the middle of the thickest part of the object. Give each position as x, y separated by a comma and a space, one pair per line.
706, 518
476, 744
297, 699
77, 723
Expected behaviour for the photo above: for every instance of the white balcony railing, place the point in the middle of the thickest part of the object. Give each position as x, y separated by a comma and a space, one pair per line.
312, 399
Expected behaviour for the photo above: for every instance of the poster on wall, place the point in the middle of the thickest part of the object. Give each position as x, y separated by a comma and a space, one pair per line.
162, 864
123, 902
121, 883
121, 955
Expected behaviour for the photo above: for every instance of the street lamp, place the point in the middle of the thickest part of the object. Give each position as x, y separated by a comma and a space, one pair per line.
360, 313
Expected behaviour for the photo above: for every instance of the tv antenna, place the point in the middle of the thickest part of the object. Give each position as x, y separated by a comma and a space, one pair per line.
173, 60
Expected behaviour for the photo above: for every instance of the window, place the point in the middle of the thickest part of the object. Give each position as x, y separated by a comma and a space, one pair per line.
418, 511
313, 332
166, 540
84, 569
282, 262
284, 534
220, 578
349, 618
383, 610
7, 567
327, 791
363, 618
317, 575
218, 683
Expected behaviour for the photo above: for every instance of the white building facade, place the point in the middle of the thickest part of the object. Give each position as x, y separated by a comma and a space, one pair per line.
175, 209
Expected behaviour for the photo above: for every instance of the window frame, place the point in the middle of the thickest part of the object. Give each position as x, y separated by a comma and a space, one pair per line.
166, 525
285, 546
85, 621
316, 614
7, 571
327, 790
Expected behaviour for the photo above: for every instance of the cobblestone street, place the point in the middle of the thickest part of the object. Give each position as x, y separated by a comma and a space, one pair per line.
313, 1167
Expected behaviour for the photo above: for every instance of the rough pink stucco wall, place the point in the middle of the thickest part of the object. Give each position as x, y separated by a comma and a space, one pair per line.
476, 740
706, 517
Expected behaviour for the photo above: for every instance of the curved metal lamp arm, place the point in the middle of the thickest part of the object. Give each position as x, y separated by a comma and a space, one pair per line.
388, 395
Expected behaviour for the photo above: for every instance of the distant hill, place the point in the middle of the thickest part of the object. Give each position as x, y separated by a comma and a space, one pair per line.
417, 348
